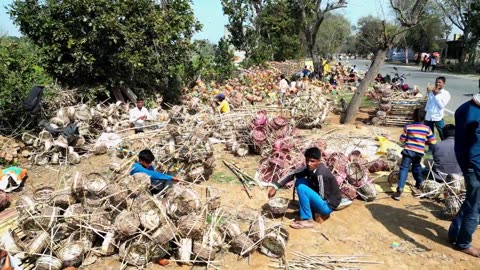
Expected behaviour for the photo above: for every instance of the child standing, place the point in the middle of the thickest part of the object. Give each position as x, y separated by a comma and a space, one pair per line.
415, 135
159, 181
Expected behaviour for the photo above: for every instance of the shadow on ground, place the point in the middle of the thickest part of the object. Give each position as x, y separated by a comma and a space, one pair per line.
397, 220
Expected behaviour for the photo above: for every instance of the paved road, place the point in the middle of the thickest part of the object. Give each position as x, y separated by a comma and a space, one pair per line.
461, 87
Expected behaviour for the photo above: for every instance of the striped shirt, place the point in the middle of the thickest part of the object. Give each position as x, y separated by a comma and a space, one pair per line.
415, 136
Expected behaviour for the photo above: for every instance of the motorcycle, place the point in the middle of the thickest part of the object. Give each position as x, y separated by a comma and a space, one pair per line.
398, 81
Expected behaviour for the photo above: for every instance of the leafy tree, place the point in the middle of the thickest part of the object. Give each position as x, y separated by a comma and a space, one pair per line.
464, 15
223, 60
137, 44
20, 70
333, 34
427, 35
312, 14
265, 30
408, 13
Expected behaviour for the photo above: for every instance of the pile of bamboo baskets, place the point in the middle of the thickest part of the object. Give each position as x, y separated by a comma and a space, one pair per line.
395, 108
94, 215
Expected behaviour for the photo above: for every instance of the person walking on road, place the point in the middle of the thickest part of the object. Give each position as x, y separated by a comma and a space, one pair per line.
436, 103
467, 151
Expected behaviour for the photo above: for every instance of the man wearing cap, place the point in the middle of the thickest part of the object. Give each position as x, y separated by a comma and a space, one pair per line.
138, 115
222, 105
467, 151
436, 103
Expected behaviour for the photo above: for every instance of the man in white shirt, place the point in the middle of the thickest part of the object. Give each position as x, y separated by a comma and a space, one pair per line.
138, 115
436, 103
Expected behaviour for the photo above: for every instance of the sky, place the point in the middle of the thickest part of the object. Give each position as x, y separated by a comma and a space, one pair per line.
210, 14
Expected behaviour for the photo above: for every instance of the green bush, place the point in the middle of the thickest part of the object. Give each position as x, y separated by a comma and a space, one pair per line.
20, 70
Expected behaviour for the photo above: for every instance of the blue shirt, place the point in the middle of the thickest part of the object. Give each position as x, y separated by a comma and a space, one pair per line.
467, 136
155, 177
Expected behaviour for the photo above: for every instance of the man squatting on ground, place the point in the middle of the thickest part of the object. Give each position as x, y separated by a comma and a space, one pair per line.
415, 135
467, 150
158, 181
317, 189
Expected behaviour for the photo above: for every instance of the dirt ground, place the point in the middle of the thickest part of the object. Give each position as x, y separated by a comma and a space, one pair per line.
362, 229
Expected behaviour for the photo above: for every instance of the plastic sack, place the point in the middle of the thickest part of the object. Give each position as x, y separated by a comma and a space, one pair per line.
385, 144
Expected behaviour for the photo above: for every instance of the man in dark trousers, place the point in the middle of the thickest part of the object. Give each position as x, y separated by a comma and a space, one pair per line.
467, 151
317, 189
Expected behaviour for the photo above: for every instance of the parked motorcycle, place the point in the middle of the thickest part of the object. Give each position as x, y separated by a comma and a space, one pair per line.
398, 81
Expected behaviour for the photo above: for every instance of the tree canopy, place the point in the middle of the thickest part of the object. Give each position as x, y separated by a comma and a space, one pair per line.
137, 44
333, 34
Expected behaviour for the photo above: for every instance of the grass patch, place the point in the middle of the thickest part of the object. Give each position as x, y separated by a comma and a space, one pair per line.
221, 177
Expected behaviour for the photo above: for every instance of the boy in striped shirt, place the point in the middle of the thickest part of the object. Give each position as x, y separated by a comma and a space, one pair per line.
415, 135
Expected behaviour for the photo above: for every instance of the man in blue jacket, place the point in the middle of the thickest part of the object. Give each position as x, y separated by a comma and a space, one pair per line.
467, 150
159, 181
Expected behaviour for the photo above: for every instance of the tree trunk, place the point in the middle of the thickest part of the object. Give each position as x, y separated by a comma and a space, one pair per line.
372, 72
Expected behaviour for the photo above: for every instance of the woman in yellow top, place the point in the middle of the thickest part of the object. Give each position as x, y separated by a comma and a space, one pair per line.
326, 67
223, 106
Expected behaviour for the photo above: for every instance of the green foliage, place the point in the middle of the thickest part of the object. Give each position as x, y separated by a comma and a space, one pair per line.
137, 44
428, 34
20, 70
333, 34
223, 60
265, 30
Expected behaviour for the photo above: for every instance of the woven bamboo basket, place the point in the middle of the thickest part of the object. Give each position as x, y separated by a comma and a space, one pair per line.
93, 204
43, 195
61, 231
452, 206
100, 221
164, 234
273, 245
46, 262
118, 196
62, 198
456, 183
204, 252
278, 206
355, 172
433, 188
232, 229
75, 214
214, 238
186, 202
85, 238
191, 226
127, 223
71, 254
95, 187
368, 191
157, 251
242, 245
38, 244
150, 215
25, 206
257, 229
137, 184
137, 254
29, 224
49, 216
